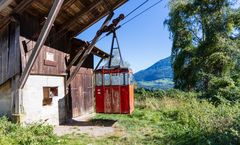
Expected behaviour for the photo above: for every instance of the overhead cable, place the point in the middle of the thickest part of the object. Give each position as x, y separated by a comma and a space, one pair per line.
139, 14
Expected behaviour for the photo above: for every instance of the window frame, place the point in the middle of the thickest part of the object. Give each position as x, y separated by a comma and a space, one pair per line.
119, 78
96, 79
109, 79
48, 94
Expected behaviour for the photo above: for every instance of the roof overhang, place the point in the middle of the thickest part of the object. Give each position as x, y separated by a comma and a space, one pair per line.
80, 45
74, 17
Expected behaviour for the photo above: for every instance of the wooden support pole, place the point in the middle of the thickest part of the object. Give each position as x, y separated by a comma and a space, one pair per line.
89, 50
41, 40
75, 59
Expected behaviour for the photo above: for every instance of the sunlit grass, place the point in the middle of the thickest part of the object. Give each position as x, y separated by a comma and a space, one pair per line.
160, 118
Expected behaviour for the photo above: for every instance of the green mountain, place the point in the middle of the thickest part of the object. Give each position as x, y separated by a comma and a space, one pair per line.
157, 76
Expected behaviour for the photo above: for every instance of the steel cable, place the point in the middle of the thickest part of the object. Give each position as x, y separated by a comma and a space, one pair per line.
139, 14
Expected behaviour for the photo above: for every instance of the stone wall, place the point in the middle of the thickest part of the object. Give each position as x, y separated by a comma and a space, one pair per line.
32, 96
5, 99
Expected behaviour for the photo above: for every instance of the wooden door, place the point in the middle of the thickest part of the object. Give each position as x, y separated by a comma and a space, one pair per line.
82, 93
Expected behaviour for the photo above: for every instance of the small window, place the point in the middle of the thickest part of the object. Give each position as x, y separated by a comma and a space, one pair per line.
117, 79
98, 79
48, 94
107, 79
50, 56
50, 60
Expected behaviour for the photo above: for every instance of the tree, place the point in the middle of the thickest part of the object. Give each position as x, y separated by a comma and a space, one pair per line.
206, 46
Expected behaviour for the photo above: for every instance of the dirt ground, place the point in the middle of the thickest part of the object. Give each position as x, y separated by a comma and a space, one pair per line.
85, 125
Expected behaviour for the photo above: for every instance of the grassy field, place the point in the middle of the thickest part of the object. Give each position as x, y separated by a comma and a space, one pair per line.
160, 118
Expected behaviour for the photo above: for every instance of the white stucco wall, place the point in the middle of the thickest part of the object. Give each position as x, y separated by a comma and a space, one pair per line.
5, 99
32, 97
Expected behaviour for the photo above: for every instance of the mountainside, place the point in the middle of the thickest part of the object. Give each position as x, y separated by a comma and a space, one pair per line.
159, 75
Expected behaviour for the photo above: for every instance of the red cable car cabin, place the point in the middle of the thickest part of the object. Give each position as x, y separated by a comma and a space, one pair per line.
114, 91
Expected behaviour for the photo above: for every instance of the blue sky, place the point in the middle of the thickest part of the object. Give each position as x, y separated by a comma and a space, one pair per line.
143, 41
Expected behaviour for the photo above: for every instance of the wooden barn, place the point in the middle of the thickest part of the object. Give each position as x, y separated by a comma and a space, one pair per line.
46, 74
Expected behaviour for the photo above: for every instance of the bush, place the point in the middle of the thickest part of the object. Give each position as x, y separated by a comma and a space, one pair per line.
183, 118
35, 134
223, 90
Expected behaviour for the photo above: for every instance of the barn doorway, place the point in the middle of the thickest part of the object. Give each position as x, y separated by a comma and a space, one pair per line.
82, 93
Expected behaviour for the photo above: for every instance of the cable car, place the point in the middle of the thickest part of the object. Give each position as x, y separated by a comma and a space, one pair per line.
114, 89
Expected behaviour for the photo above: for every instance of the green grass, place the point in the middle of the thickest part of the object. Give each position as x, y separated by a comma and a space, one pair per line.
167, 119
160, 118
35, 134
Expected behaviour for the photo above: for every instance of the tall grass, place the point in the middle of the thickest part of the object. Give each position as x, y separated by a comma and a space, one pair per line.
160, 118
175, 117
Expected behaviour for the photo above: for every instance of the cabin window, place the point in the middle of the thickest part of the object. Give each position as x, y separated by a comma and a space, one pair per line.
48, 94
107, 79
98, 79
126, 79
117, 79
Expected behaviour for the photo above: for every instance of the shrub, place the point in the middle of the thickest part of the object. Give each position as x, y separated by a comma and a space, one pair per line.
182, 118
34, 134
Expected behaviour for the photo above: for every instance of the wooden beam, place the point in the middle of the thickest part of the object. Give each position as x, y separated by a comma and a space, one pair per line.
89, 50
4, 4
18, 9
22, 6
67, 4
64, 29
75, 58
41, 40
78, 15
77, 32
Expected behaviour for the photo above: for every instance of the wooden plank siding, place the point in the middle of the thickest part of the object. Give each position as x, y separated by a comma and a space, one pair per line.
40, 67
81, 90
9, 52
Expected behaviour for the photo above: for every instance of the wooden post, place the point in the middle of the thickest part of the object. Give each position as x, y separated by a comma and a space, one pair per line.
75, 59
88, 50
17, 102
41, 40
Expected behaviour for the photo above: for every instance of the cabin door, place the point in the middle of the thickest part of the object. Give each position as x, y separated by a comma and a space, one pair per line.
112, 100
82, 93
